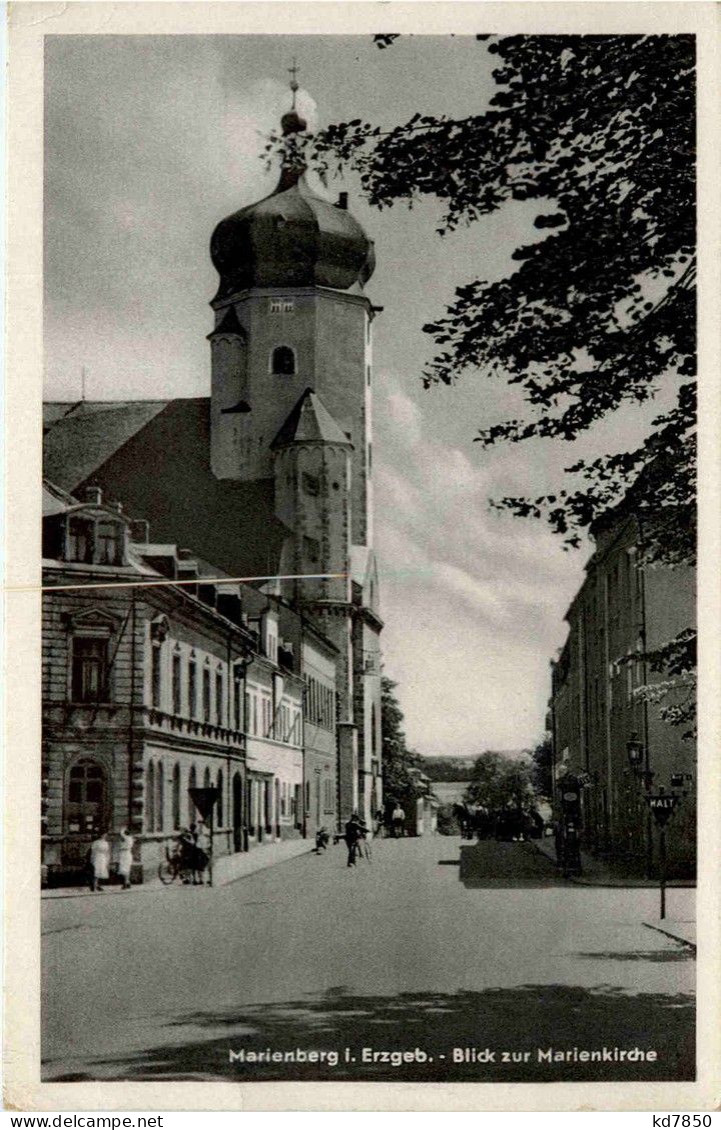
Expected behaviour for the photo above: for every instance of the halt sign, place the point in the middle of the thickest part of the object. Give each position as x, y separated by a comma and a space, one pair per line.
661, 806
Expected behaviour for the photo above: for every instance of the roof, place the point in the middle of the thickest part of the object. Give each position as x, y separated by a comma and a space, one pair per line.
310, 422
229, 324
55, 500
82, 438
154, 456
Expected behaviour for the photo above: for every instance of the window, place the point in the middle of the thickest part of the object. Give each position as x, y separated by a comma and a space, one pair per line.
150, 797
89, 669
177, 691
219, 697
156, 676
237, 688
328, 795
219, 810
108, 543
311, 548
311, 485
206, 778
192, 783
370, 458
368, 374
283, 361
246, 716
85, 810
281, 305
159, 797
176, 796
206, 695
192, 689
80, 540
255, 714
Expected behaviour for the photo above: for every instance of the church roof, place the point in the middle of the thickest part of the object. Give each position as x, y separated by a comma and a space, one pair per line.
310, 422
154, 457
229, 324
81, 439
293, 237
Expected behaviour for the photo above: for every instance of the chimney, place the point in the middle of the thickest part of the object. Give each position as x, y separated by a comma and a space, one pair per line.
140, 531
342, 201
94, 495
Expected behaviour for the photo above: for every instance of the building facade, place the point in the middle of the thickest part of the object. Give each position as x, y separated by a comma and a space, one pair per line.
152, 688
271, 476
622, 612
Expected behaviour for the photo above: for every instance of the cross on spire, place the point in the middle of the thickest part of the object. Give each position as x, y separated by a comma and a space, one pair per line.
293, 72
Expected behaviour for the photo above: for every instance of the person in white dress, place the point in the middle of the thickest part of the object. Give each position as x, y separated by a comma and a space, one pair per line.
125, 858
99, 862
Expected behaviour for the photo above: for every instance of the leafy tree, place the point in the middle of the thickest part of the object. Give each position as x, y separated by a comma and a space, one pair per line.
400, 765
542, 771
498, 783
600, 310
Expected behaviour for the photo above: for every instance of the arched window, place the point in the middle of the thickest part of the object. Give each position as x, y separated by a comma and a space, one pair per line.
191, 785
219, 811
159, 797
86, 808
283, 361
150, 797
206, 778
176, 796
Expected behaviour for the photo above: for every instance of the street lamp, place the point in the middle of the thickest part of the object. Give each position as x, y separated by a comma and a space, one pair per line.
634, 749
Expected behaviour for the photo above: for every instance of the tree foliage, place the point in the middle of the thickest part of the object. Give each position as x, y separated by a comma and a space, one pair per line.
542, 770
400, 765
498, 783
600, 309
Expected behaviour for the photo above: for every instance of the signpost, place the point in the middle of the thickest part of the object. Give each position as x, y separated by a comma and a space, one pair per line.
662, 807
205, 801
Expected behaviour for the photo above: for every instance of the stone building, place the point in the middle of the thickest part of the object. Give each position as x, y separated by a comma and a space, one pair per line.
151, 688
621, 613
271, 476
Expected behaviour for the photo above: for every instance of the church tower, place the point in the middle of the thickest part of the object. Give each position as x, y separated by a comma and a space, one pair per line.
291, 407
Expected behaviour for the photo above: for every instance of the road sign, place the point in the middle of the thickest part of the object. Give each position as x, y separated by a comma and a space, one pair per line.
661, 806
204, 800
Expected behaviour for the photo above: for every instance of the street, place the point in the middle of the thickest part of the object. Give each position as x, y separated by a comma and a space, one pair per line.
397, 954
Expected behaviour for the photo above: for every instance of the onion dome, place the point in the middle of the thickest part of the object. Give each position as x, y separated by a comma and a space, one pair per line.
291, 238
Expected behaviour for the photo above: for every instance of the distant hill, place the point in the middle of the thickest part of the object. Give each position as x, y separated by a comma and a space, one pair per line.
460, 768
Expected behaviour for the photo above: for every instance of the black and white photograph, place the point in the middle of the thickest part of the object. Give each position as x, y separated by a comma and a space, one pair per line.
368, 556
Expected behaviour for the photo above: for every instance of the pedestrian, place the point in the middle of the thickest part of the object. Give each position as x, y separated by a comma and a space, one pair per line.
99, 862
125, 857
380, 821
354, 830
398, 818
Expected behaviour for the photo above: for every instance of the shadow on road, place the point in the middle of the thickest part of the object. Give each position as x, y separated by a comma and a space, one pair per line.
521, 1019
490, 863
680, 954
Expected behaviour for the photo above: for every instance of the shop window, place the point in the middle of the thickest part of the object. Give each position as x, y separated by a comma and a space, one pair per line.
150, 797
176, 796
219, 809
89, 669
86, 801
192, 783
159, 797
283, 361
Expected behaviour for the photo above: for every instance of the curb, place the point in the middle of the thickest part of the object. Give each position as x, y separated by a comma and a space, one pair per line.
673, 937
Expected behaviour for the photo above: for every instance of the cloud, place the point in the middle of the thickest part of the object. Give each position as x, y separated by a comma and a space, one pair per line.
475, 599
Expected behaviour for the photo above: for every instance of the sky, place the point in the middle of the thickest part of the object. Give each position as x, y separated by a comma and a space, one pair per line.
149, 142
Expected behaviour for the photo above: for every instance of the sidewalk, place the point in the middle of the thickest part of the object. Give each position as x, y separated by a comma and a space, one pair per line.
226, 869
600, 873
681, 931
